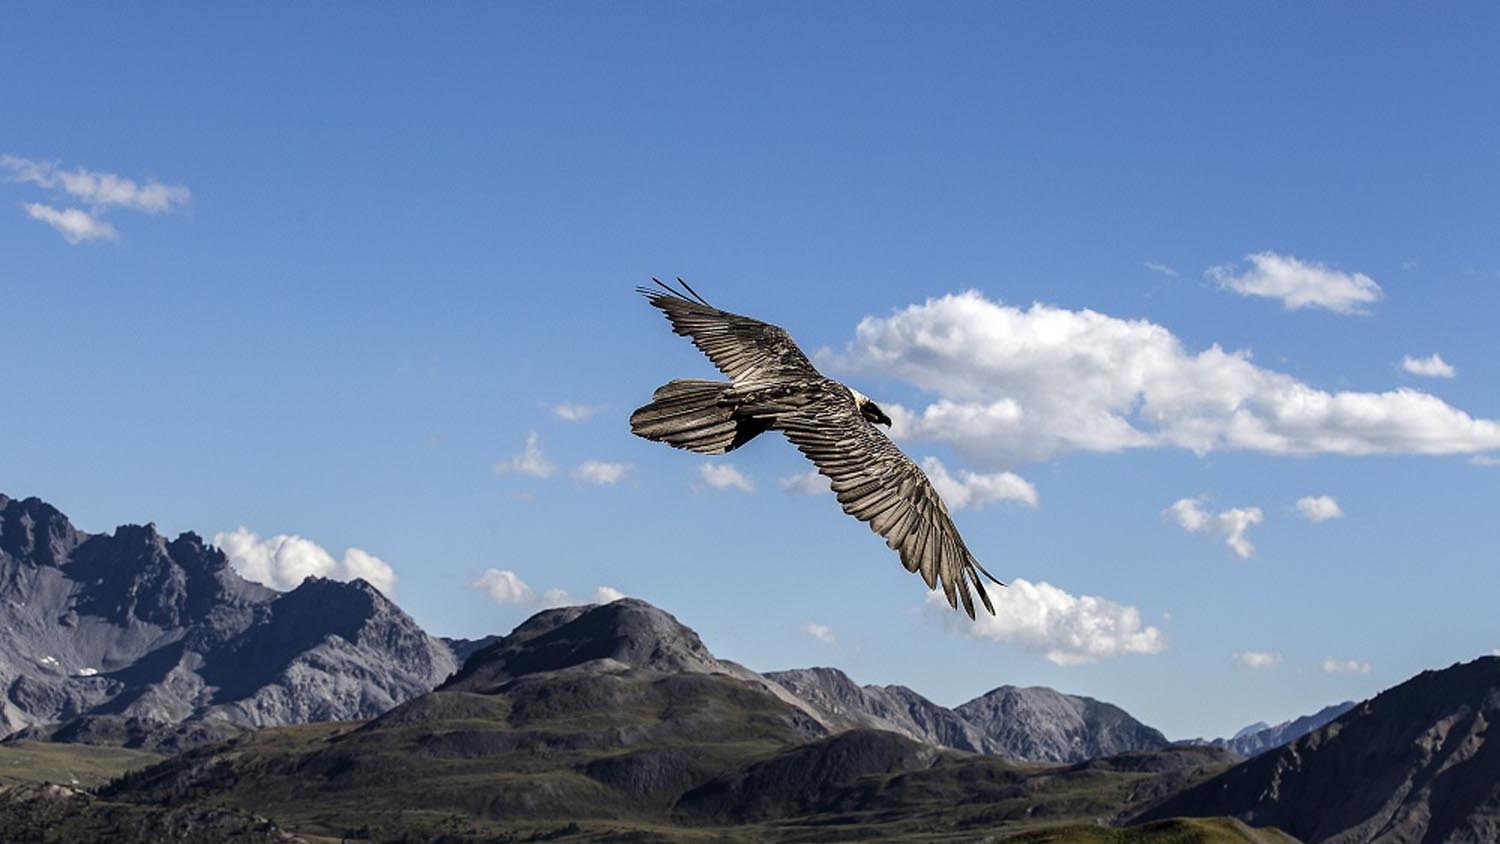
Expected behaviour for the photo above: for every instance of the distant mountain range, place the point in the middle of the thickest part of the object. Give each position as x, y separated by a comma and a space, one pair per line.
134, 638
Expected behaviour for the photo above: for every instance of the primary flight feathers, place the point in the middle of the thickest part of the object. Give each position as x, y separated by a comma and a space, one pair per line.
775, 387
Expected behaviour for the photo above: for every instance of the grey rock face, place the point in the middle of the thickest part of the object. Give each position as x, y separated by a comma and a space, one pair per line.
120, 634
895, 708
1041, 725
1414, 763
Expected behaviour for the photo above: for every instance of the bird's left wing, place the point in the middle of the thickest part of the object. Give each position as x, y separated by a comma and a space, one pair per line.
738, 345
876, 483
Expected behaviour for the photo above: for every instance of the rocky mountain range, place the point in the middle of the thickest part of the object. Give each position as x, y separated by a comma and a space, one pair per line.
1412, 764
135, 638
1261, 737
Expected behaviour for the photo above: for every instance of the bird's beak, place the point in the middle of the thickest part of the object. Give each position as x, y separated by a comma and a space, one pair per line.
881, 418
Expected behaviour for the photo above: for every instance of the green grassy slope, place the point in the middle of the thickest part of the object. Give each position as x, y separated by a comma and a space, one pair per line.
76, 765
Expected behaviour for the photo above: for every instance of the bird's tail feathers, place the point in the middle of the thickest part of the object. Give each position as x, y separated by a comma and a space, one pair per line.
696, 415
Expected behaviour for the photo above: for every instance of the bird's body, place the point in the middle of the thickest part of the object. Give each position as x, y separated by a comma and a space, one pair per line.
774, 386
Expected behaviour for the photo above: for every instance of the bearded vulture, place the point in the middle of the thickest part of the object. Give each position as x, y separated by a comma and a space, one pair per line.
774, 386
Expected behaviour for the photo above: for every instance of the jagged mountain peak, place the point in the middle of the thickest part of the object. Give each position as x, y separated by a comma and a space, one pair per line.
31, 530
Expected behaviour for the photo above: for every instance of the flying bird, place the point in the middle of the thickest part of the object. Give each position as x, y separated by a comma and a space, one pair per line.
774, 387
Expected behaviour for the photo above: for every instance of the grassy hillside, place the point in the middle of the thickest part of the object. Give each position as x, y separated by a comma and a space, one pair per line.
76, 765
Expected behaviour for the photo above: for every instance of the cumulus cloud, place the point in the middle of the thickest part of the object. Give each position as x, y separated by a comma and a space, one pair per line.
97, 189
822, 632
1257, 659
504, 586
724, 476
607, 595
1013, 385
969, 489
1319, 508
600, 473
1160, 268
574, 412
1066, 629
531, 460
1432, 366
806, 483
285, 560
74, 225
1330, 665
1299, 284
1230, 524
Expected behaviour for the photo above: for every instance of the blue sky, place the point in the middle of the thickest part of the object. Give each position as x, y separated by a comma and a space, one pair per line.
363, 254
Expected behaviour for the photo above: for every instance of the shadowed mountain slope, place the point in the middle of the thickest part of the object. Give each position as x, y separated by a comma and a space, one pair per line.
1413, 764
895, 708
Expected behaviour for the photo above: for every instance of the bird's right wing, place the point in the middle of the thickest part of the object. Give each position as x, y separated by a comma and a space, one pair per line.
738, 345
876, 483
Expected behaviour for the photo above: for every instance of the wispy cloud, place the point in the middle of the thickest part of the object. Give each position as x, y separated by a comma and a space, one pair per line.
601, 473
1230, 524
574, 412
1257, 660
97, 189
724, 476
1066, 629
1485, 460
285, 560
74, 225
806, 483
1319, 508
1432, 366
531, 461
1331, 665
970, 489
1017, 385
822, 632
1299, 284
1160, 268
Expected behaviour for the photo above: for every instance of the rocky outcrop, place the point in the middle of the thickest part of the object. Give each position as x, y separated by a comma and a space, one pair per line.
1414, 763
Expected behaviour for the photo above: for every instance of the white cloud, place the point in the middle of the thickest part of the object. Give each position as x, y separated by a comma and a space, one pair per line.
574, 412
504, 586
1299, 284
1160, 268
822, 632
1329, 665
1230, 524
607, 595
507, 587
556, 597
1494, 651
1066, 629
1014, 385
531, 461
74, 225
807, 483
97, 189
600, 473
724, 476
1432, 366
285, 560
1319, 508
1485, 460
971, 489
1257, 659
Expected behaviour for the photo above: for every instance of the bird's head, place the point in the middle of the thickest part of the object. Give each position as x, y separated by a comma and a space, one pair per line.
869, 409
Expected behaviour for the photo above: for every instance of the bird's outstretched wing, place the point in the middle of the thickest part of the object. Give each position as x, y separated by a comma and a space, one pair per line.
876, 483
739, 346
